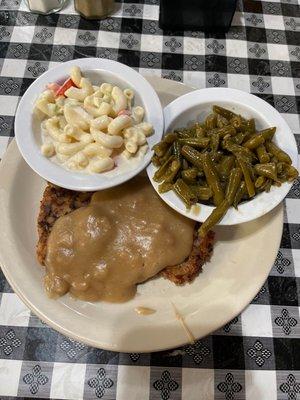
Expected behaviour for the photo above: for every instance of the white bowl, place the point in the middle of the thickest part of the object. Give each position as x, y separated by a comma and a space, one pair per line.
28, 129
195, 106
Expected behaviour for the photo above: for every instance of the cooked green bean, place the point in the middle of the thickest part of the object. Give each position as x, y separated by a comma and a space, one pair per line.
189, 175
172, 172
268, 170
278, 153
262, 154
211, 121
224, 112
170, 138
221, 161
160, 148
225, 166
177, 150
212, 179
216, 215
192, 155
222, 132
251, 125
234, 181
259, 181
254, 142
268, 133
200, 143
159, 174
164, 187
247, 176
221, 121
239, 194
214, 142
184, 192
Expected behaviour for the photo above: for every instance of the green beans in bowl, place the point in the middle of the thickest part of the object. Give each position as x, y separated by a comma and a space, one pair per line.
233, 160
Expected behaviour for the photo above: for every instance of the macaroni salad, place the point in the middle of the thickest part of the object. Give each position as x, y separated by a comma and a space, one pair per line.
86, 125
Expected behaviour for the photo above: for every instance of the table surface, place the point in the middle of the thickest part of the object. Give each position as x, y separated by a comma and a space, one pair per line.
257, 354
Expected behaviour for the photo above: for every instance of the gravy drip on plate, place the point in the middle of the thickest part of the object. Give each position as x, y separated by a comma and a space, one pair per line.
125, 236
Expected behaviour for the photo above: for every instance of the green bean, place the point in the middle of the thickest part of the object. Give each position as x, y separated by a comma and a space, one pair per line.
172, 172
184, 192
247, 176
251, 125
170, 138
212, 179
268, 133
160, 173
211, 121
164, 187
278, 153
221, 121
202, 192
224, 112
193, 156
239, 194
259, 182
292, 173
267, 170
216, 215
214, 142
237, 122
156, 161
216, 157
201, 143
189, 175
225, 166
200, 132
177, 150
165, 157
160, 148
234, 181
262, 154
222, 132
254, 142
240, 137
237, 149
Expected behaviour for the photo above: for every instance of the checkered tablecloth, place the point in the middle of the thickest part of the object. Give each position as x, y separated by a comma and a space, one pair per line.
256, 355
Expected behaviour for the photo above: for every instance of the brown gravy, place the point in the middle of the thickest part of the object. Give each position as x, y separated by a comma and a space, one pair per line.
125, 236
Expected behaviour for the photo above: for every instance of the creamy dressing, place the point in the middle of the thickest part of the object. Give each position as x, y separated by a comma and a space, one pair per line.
122, 164
124, 237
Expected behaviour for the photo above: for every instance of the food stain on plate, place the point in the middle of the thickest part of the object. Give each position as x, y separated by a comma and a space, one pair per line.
144, 310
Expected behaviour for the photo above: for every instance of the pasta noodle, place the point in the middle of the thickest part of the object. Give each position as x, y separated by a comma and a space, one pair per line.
84, 124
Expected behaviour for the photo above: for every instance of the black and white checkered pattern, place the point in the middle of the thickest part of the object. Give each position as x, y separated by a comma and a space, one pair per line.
257, 355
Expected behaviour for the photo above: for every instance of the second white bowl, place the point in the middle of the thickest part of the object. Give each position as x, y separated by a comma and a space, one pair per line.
195, 106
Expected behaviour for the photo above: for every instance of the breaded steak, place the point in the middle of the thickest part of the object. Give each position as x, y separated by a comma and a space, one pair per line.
57, 202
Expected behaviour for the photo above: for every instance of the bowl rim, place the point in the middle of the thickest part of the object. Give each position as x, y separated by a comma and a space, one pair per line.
55, 173
262, 203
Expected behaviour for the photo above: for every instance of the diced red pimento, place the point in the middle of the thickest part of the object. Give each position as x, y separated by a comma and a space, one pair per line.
53, 86
65, 86
124, 112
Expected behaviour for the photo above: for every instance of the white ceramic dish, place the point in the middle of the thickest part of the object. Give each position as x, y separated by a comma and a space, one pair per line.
196, 106
28, 129
227, 285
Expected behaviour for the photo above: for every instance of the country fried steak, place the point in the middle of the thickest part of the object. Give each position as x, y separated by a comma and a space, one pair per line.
57, 202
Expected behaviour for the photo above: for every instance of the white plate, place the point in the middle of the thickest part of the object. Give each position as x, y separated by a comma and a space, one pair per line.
195, 106
226, 286
28, 126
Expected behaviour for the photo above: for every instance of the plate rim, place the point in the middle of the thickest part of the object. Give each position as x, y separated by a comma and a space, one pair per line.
69, 333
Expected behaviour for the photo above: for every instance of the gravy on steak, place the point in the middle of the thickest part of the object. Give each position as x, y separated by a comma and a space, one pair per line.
125, 236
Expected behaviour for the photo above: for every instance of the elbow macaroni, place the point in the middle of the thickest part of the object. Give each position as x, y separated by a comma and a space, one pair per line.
84, 126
